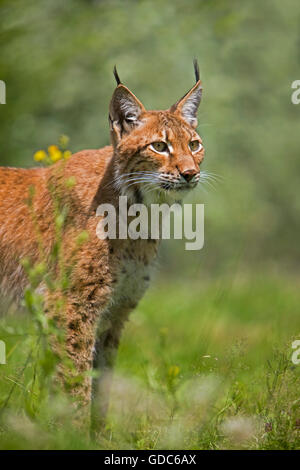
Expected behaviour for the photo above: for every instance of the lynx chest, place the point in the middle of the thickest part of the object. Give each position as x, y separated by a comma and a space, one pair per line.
133, 275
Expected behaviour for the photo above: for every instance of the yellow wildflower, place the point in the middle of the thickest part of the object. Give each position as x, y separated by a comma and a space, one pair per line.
40, 155
67, 154
173, 371
52, 149
54, 153
63, 141
56, 156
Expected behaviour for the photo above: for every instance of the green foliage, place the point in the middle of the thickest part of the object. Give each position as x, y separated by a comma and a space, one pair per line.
57, 60
192, 373
48, 281
204, 364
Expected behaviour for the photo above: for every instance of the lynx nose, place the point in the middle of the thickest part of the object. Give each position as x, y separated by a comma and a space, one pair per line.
188, 175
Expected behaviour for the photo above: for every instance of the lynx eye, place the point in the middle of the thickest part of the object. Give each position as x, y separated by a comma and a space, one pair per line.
159, 147
195, 145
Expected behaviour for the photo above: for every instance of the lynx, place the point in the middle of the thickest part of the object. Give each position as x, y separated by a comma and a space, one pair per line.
154, 156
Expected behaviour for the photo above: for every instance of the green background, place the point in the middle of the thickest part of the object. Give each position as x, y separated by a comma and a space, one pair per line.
57, 60
230, 310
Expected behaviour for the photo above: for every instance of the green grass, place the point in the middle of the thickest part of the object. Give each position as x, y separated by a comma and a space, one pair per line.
205, 365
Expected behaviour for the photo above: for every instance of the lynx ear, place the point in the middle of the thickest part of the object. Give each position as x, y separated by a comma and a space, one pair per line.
187, 106
124, 110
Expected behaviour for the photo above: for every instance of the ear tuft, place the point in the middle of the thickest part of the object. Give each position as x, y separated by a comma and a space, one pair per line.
187, 106
196, 69
116, 75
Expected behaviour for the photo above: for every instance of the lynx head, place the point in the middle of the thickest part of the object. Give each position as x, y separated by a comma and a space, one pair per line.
157, 154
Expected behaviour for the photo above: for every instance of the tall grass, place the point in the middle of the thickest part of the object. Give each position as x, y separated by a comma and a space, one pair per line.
195, 370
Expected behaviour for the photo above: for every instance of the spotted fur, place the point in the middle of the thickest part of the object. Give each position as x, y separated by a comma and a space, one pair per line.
110, 276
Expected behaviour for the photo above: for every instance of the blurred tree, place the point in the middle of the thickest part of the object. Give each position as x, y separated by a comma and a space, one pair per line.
57, 60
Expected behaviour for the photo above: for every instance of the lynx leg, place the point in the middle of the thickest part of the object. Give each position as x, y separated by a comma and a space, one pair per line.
75, 353
104, 358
